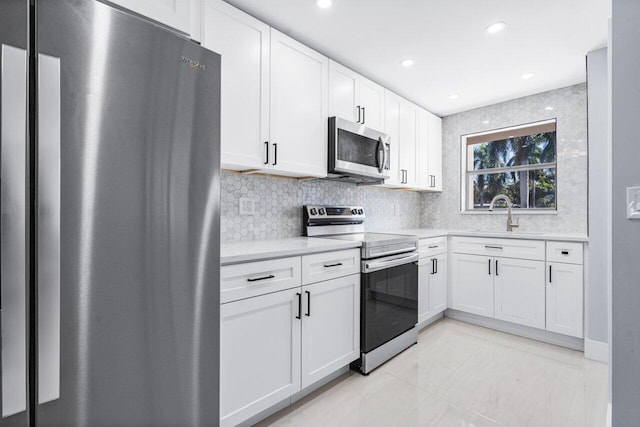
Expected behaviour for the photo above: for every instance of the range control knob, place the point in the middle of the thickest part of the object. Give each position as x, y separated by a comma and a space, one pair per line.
313, 211
360, 211
321, 211
354, 211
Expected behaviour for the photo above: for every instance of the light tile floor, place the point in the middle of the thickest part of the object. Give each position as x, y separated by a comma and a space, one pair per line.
462, 375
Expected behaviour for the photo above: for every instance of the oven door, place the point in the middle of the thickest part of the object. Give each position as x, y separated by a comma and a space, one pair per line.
357, 150
389, 299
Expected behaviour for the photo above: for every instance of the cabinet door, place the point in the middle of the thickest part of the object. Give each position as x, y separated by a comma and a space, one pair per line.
472, 284
565, 299
392, 128
259, 354
434, 158
344, 92
519, 291
173, 13
372, 100
424, 180
426, 267
408, 143
438, 286
299, 108
330, 327
243, 42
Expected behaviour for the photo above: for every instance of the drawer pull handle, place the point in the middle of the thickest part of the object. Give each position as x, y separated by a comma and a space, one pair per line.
337, 264
493, 247
255, 279
565, 252
433, 246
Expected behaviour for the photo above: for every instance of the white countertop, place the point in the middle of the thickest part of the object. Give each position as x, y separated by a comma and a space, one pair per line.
425, 233
256, 250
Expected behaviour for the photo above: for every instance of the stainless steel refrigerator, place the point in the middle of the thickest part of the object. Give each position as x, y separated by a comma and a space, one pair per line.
109, 219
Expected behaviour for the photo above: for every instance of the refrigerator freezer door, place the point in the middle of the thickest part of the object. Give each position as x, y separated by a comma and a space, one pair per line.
139, 221
13, 199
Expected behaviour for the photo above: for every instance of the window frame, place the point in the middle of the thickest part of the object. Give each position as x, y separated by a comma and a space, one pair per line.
466, 157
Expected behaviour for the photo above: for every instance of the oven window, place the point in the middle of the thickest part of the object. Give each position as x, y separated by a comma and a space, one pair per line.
389, 304
354, 148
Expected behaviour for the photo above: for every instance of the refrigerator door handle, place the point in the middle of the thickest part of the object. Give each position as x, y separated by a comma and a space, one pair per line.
13, 202
48, 228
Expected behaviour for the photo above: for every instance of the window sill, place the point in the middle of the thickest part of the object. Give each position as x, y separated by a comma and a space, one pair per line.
513, 212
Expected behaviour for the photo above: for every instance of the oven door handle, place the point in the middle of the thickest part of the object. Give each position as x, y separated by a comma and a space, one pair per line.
377, 265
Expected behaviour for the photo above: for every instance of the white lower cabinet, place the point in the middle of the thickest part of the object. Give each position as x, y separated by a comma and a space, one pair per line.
330, 327
472, 284
519, 291
273, 345
432, 286
565, 299
260, 344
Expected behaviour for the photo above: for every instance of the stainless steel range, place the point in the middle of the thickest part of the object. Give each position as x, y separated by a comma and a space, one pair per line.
389, 281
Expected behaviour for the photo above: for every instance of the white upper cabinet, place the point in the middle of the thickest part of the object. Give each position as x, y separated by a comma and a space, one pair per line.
392, 128
408, 144
429, 151
243, 42
183, 15
298, 109
355, 98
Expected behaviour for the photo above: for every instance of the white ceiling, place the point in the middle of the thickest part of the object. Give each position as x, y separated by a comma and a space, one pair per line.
446, 39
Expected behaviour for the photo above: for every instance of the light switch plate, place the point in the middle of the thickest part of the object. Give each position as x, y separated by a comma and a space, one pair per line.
247, 206
633, 202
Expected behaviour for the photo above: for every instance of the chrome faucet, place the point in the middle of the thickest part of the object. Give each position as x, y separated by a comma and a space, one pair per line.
510, 223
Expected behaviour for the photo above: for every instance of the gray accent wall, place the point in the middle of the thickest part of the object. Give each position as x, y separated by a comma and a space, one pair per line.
279, 204
570, 108
625, 50
599, 269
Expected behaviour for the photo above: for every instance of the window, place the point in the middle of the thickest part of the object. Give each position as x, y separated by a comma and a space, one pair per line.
519, 162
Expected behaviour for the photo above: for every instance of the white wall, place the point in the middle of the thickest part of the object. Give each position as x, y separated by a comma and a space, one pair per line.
570, 108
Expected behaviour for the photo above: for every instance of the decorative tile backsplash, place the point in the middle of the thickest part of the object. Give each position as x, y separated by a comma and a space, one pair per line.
279, 204
570, 108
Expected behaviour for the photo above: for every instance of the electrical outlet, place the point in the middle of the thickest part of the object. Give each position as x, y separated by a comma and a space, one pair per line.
247, 206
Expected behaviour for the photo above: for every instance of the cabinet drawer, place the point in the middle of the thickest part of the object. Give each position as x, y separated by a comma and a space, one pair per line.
570, 253
506, 248
251, 279
330, 265
433, 246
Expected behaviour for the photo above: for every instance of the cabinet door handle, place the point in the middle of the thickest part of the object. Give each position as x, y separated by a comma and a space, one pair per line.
255, 279
433, 266
358, 107
433, 180
550, 275
337, 264
308, 304
299, 316
363, 116
497, 268
266, 148
489, 267
436, 265
275, 154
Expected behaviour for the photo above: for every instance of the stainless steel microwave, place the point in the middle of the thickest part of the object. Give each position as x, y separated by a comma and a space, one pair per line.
357, 153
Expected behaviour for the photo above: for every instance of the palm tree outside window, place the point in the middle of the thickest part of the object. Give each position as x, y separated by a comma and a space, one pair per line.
519, 162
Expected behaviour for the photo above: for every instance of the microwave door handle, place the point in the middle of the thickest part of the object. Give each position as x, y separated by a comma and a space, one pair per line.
381, 150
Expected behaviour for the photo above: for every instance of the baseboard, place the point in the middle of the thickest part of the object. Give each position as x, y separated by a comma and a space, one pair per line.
429, 321
514, 329
596, 350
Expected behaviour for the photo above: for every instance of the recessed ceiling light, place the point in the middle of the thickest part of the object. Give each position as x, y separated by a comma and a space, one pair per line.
495, 28
526, 76
407, 63
485, 122
453, 96
548, 108
324, 4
